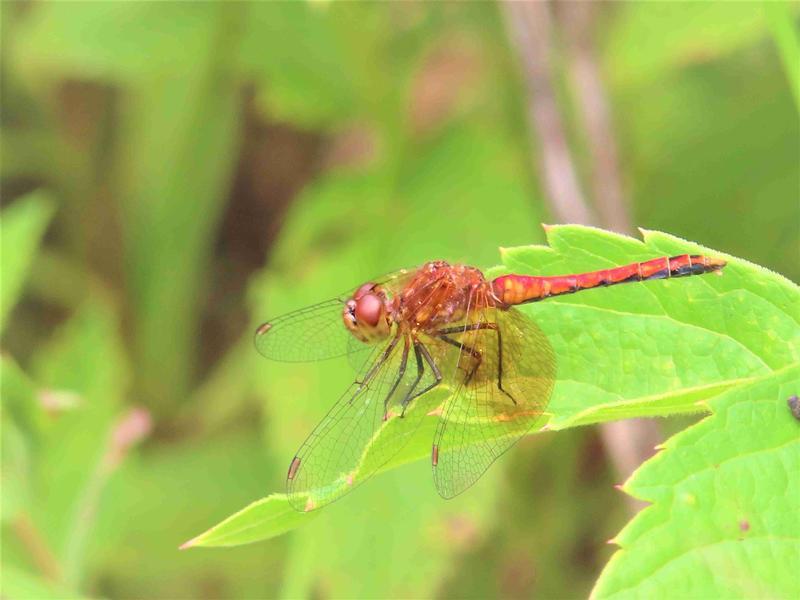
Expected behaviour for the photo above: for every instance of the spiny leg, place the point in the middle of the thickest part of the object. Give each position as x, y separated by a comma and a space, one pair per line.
421, 350
476, 354
374, 369
420, 371
475, 327
400, 372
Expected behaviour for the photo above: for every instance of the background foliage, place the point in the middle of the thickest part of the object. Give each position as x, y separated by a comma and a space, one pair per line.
207, 166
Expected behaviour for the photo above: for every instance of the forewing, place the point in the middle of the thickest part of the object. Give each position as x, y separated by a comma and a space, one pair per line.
357, 353
312, 333
318, 332
362, 431
480, 421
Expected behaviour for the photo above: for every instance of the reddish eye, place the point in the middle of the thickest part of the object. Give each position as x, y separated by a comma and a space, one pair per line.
363, 290
368, 309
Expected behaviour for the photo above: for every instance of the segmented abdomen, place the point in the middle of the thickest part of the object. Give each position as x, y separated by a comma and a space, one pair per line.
518, 289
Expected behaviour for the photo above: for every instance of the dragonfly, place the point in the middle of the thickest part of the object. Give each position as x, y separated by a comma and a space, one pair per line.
438, 326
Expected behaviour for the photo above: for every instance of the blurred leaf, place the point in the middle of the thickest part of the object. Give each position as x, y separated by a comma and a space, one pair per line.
160, 497
652, 349
23, 225
733, 153
396, 536
177, 67
263, 519
23, 423
647, 40
294, 50
16, 470
729, 485
19, 398
17, 584
123, 42
180, 135
85, 357
787, 38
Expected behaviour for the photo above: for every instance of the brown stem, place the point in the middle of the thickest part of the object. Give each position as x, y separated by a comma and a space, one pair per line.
577, 20
531, 30
36, 546
628, 443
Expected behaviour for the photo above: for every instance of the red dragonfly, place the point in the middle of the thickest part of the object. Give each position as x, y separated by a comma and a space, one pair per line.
437, 325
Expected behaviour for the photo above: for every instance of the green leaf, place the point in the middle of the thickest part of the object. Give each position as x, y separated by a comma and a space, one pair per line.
23, 422
678, 34
18, 584
293, 48
19, 398
176, 67
118, 42
161, 496
86, 358
15, 472
261, 520
179, 141
23, 224
660, 347
723, 523
650, 349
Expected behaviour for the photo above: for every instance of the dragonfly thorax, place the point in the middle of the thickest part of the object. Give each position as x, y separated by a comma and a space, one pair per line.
367, 314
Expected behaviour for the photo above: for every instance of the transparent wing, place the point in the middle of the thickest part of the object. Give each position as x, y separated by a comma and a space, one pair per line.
317, 332
312, 333
502, 383
365, 428
357, 353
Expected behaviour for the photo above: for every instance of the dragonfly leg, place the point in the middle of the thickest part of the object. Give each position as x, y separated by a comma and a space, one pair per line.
374, 369
421, 350
469, 350
400, 373
442, 333
476, 354
420, 371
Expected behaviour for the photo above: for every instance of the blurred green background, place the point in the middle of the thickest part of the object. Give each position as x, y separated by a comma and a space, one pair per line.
196, 168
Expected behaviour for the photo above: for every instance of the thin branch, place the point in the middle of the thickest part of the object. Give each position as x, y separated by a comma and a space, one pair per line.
628, 443
531, 28
577, 19
36, 546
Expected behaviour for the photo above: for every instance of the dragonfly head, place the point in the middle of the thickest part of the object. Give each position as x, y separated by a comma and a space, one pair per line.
367, 314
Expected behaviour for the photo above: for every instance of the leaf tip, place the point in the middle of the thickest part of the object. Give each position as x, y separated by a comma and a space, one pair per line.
189, 544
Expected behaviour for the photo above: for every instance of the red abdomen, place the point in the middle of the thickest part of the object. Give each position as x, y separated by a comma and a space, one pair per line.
518, 289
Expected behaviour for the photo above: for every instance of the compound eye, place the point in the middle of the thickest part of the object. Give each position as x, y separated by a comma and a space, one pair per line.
369, 309
363, 291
